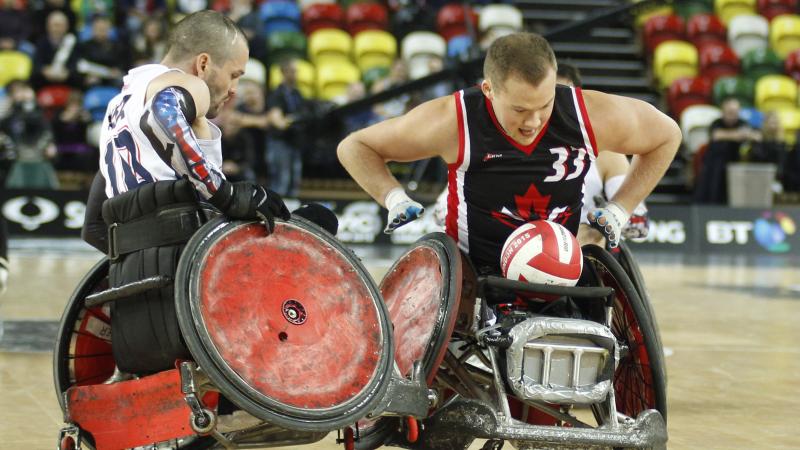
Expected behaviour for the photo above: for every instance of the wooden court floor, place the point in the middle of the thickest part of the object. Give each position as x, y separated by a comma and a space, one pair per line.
731, 330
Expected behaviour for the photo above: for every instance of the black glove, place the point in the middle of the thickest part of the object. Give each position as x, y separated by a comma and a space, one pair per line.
247, 200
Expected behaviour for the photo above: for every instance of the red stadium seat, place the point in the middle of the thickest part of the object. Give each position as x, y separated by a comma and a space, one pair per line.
322, 15
685, 92
702, 28
662, 28
366, 16
53, 96
452, 20
718, 60
792, 65
772, 8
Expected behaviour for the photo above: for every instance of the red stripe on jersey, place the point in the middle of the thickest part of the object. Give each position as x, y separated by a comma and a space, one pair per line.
451, 219
586, 122
527, 149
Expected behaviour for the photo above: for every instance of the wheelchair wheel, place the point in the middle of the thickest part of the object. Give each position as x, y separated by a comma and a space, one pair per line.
639, 381
82, 354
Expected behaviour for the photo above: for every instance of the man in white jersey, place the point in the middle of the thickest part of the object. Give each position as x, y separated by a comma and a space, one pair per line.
604, 178
160, 161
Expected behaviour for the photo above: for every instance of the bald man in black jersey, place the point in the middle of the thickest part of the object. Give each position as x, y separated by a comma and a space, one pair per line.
518, 148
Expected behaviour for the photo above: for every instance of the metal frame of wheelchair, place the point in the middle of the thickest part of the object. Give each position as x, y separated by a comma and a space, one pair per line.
633, 415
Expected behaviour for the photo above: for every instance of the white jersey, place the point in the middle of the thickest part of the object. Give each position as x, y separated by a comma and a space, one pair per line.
592, 187
127, 156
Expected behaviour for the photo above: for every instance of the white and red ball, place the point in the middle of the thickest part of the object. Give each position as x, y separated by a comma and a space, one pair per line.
542, 252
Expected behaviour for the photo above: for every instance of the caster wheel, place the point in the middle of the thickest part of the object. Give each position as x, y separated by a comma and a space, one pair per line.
349, 439
67, 443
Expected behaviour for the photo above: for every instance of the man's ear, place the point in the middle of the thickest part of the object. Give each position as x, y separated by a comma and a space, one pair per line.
486, 87
202, 64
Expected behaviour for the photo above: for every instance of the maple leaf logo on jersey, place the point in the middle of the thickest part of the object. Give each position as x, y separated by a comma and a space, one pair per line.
531, 206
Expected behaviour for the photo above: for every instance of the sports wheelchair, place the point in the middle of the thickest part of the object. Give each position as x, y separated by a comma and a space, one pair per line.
298, 337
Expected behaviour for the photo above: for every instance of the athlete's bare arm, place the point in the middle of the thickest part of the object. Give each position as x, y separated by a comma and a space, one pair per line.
629, 126
429, 130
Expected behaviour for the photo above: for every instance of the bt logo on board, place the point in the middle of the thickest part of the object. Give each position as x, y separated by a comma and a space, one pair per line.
772, 229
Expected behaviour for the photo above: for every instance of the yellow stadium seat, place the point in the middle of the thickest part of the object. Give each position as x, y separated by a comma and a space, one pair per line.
329, 44
784, 34
14, 66
651, 12
775, 92
790, 122
673, 60
728, 9
374, 48
306, 77
333, 78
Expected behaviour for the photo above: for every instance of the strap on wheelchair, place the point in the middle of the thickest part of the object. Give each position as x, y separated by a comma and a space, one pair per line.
170, 225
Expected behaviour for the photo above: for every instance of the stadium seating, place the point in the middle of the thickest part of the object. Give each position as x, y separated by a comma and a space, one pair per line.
776, 92
96, 99
458, 46
456, 19
673, 60
334, 77
286, 44
366, 16
695, 123
662, 28
374, 48
306, 77
322, 15
279, 15
752, 116
748, 32
498, 19
784, 36
728, 9
717, 60
792, 65
790, 122
305, 4
704, 28
255, 71
689, 8
739, 87
773, 8
418, 48
14, 65
52, 97
370, 76
759, 62
329, 45
648, 13
685, 92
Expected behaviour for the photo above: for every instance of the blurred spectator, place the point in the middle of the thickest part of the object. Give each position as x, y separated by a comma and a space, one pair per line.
284, 142
15, 24
31, 138
396, 106
728, 134
150, 44
138, 12
69, 133
772, 147
791, 168
248, 19
56, 54
243, 137
102, 60
41, 10
89, 9
361, 118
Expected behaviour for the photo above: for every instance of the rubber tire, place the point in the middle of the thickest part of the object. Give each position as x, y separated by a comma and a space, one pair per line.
604, 261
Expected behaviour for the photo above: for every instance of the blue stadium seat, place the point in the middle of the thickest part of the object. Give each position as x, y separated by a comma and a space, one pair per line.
96, 99
459, 45
280, 16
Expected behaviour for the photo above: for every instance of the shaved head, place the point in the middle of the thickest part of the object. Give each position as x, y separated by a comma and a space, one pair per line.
204, 32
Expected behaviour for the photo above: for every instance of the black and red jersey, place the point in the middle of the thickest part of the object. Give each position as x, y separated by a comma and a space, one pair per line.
498, 184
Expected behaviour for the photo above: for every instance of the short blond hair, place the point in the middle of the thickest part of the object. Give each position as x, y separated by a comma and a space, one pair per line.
525, 55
